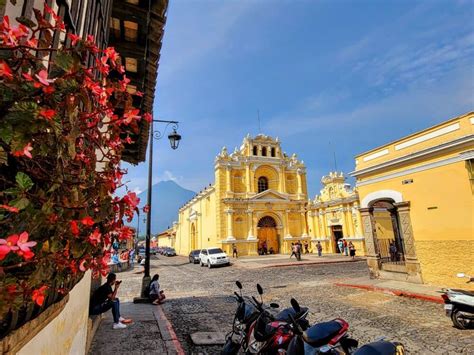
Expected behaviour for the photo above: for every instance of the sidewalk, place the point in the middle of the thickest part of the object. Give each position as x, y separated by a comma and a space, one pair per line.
282, 260
397, 288
150, 333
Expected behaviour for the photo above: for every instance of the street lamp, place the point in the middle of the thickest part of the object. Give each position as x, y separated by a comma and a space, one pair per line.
174, 139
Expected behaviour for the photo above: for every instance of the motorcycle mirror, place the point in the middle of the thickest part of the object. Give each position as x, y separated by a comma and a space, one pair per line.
239, 285
259, 289
295, 305
274, 305
461, 275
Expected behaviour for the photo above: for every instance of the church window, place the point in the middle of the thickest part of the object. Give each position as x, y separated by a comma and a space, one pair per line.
273, 152
254, 150
262, 184
264, 151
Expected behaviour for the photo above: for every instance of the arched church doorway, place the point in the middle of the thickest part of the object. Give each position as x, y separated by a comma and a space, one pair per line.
388, 236
267, 235
193, 237
336, 235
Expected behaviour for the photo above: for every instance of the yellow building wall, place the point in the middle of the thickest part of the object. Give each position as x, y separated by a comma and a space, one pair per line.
442, 216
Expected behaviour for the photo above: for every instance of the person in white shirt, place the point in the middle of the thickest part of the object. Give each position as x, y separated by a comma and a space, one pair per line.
156, 295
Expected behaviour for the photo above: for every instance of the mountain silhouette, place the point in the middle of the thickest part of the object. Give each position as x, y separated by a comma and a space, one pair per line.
167, 198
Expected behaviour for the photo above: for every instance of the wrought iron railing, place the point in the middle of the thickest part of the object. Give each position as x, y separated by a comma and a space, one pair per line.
390, 251
14, 319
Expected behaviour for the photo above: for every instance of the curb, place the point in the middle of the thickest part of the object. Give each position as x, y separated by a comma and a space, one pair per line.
312, 263
167, 332
394, 292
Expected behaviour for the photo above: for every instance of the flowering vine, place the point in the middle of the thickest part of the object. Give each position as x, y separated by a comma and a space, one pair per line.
63, 127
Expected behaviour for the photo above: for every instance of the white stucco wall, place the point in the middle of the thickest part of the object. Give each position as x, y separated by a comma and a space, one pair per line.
67, 333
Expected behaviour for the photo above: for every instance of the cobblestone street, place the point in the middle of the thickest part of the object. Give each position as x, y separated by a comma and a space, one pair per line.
199, 299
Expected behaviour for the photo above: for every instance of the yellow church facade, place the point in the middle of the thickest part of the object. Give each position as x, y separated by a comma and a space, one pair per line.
417, 206
334, 214
259, 197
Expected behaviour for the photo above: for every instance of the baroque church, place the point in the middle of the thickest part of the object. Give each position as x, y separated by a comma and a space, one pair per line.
260, 196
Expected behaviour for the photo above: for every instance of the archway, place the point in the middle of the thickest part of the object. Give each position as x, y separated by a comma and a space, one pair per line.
267, 235
386, 227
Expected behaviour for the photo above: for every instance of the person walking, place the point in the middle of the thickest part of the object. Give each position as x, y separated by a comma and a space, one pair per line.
306, 246
320, 248
346, 248
104, 298
292, 250
352, 250
131, 257
340, 245
298, 251
234, 251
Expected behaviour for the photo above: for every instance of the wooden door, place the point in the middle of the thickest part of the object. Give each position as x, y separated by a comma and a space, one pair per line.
269, 235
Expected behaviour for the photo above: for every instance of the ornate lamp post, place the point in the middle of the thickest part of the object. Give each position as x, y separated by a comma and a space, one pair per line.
174, 139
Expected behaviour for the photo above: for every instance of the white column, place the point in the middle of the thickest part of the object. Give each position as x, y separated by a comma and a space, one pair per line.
230, 223
299, 172
228, 179
250, 236
286, 227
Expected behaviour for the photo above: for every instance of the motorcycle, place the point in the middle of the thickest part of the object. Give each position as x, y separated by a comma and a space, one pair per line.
271, 334
245, 314
322, 338
381, 347
459, 305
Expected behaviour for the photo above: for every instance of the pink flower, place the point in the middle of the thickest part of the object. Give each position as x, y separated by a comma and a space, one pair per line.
8, 245
74, 38
25, 246
148, 117
82, 265
42, 76
111, 54
25, 151
131, 115
131, 200
94, 237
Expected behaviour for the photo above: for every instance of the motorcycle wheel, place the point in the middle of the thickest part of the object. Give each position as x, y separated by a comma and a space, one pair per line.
458, 320
230, 348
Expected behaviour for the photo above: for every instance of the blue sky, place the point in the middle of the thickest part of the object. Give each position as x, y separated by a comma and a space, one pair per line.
357, 74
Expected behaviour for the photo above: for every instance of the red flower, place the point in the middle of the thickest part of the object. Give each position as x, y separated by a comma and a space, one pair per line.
131, 115
48, 89
10, 208
39, 295
74, 227
42, 76
74, 38
8, 245
25, 246
47, 113
87, 221
111, 54
126, 233
148, 117
146, 208
25, 151
94, 237
131, 200
5, 70
82, 265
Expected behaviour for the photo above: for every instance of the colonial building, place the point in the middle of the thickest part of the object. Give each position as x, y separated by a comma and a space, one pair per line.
417, 204
259, 196
333, 215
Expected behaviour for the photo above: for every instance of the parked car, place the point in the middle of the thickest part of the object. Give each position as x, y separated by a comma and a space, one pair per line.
194, 256
169, 252
213, 257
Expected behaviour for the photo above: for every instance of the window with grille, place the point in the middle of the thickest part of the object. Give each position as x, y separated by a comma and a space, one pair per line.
264, 151
273, 152
262, 184
254, 150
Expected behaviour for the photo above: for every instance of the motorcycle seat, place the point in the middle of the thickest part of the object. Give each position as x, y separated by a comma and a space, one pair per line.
320, 334
377, 348
468, 293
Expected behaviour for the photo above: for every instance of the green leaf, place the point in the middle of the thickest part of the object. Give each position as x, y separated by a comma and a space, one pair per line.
20, 203
26, 21
3, 157
64, 61
6, 134
11, 191
23, 181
